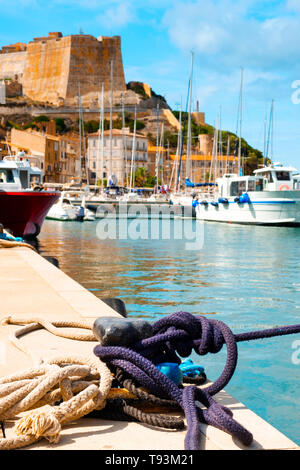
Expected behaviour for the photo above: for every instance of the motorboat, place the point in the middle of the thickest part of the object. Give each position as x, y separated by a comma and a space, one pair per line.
64, 210
23, 201
271, 196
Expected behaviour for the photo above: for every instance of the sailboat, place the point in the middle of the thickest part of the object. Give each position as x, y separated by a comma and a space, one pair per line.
65, 209
183, 200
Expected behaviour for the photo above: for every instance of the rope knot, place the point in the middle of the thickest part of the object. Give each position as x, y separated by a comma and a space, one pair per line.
187, 332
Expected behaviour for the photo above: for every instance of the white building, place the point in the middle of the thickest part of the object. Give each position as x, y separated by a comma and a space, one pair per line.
118, 153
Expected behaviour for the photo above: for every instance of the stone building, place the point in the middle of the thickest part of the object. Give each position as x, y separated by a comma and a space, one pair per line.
119, 149
204, 167
59, 156
51, 68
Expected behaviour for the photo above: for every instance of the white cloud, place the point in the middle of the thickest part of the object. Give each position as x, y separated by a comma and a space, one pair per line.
293, 5
227, 34
118, 15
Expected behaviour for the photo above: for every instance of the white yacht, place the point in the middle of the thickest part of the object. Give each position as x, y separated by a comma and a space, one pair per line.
64, 210
271, 196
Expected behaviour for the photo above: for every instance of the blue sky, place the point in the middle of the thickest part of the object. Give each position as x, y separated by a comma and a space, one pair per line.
262, 36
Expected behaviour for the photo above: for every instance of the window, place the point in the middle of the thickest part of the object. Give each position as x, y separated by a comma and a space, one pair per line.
259, 184
237, 188
234, 188
242, 187
283, 175
94, 165
251, 185
6, 176
268, 176
35, 179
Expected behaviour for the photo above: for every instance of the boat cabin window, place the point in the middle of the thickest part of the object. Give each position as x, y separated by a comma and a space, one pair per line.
35, 179
268, 176
251, 185
283, 175
259, 184
6, 176
237, 188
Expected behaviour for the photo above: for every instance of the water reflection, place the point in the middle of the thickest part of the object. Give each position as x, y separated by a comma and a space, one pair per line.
247, 277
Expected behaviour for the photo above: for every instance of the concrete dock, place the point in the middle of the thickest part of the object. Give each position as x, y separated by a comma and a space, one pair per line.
32, 287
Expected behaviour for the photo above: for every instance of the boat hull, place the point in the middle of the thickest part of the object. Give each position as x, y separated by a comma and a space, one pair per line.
23, 212
279, 209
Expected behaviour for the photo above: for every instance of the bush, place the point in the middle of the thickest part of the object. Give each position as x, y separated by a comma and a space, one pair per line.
41, 118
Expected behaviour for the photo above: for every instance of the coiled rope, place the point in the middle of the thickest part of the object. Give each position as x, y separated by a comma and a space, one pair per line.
177, 336
9, 241
82, 384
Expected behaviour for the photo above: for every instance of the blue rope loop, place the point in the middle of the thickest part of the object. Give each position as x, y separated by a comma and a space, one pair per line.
176, 336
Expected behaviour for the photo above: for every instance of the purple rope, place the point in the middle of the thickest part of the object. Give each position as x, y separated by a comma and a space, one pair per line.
177, 336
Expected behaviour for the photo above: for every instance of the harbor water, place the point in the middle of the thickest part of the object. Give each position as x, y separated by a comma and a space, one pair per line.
246, 276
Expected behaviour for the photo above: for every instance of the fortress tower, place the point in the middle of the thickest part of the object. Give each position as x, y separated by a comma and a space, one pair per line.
51, 68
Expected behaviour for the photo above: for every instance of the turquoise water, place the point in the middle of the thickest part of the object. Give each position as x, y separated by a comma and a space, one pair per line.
246, 276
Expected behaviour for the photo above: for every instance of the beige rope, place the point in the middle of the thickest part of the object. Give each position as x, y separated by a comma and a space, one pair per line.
81, 384
58, 379
13, 244
53, 327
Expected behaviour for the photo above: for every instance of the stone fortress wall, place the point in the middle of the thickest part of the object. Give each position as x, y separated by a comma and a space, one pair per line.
51, 68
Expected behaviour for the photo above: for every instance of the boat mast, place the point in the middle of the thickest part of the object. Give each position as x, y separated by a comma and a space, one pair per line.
182, 140
189, 136
157, 151
80, 142
175, 162
270, 133
86, 161
133, 151
125, 172
161, 153
110, 119
102, 137
220, 143
240, 112
227, 154
265, 137
212, 161
178, 143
